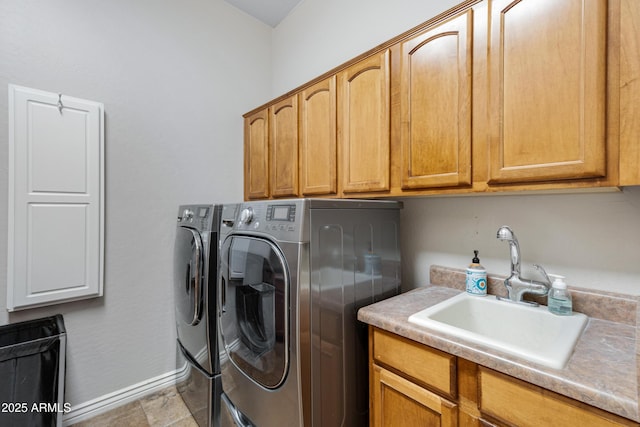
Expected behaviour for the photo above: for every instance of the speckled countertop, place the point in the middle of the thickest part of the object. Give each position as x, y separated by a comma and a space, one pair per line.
601, 372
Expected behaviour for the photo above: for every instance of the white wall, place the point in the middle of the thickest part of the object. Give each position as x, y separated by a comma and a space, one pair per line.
319, 35
175, 78
593, 239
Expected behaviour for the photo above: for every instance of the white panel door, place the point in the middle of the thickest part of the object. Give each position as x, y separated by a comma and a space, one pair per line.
56, 198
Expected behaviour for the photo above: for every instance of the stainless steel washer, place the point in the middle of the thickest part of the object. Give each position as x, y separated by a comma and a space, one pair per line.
293, 274
196, 264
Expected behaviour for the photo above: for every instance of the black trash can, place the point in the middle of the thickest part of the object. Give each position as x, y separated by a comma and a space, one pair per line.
32, 365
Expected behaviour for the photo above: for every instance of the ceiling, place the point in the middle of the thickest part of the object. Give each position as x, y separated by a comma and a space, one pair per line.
271, 12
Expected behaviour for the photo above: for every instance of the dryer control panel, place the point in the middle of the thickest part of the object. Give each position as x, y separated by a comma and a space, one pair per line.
281, 213
280, 219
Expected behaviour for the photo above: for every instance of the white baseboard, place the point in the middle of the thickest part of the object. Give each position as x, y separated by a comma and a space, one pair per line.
102, 404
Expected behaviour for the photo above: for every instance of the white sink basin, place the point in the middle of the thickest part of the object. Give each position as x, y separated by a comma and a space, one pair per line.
532, 333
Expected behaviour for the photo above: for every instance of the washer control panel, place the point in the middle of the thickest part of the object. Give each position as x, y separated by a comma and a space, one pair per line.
196, 216
246, 216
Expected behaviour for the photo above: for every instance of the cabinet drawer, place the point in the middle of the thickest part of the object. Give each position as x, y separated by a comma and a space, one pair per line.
430, 367
518, 403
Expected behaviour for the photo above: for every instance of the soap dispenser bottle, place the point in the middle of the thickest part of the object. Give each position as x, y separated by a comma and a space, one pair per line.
476, 277
559, 299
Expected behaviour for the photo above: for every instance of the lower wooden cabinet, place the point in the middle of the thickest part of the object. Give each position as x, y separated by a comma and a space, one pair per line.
415, 385
512, 401
429, 367
399, 402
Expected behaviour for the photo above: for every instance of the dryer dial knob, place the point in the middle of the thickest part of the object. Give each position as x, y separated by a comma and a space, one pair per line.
246, 216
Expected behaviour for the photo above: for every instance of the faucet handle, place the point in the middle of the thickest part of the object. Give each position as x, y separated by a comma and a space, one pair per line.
543, 272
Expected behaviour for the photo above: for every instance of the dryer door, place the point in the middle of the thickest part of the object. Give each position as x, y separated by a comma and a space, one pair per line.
254, 308
188, 276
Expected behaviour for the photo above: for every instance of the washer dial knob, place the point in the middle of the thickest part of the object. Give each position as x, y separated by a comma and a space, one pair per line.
246, 216
187, 215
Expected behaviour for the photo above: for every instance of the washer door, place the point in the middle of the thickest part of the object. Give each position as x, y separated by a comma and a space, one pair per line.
254, 306
188, 276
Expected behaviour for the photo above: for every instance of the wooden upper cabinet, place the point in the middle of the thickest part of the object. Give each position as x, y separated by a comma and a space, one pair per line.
547, 90
630, 93
364, 124
492, 95
283, 127
318, 174
256, 156
435, 104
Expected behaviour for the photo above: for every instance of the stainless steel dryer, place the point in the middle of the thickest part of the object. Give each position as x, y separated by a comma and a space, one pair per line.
196, 264
293, 274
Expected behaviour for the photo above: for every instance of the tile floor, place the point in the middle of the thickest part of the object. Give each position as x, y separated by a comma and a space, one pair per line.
162, 409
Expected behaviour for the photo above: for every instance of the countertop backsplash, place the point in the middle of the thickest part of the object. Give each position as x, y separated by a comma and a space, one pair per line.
610, 306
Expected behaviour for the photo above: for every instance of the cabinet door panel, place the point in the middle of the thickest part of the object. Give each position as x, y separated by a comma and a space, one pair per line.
256, 156
363, 123
318, 139
436, 105
398, 402
547, 65
283, 128
630, 93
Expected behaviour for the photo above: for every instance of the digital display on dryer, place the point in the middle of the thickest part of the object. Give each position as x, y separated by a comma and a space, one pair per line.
281, 213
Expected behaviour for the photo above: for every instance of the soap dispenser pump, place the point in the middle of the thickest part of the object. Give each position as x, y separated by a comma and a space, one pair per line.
559, 299
476, 277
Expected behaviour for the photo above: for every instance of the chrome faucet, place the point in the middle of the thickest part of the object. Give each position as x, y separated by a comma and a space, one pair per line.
516, 286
